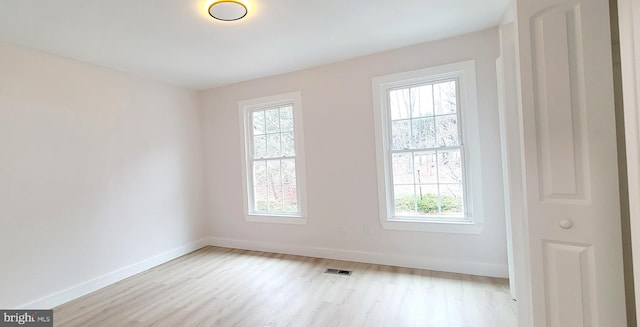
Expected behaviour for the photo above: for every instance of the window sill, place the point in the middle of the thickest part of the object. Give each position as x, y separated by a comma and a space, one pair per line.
292, 220
457, 227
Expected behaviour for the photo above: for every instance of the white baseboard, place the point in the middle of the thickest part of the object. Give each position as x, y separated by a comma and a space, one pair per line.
455, 266
87, 287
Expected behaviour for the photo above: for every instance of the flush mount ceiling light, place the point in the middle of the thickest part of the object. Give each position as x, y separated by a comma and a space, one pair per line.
228, 10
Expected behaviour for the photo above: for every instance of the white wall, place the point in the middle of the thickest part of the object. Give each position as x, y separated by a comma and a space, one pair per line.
98, 171
341, 171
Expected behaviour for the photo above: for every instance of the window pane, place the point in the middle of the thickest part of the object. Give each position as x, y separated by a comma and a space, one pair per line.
260, 198
288, 171
258, 122
290, 198
405, 200
427, 200
273, 172
286, 119
401, 131
449, 166
260, 173
259, 146
423, 104
425, 166
272, 117
288, 145
402, 168
445, 97
273, 145
400, 104
451, 199
423, 133
447, 130
275, 198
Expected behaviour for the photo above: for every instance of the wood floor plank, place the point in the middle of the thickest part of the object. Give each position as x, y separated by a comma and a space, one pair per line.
228, 287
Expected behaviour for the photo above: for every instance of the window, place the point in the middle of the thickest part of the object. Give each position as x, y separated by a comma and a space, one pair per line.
427, 145
273, 159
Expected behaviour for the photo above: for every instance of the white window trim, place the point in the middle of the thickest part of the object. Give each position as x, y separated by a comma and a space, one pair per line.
245, 107
465, 73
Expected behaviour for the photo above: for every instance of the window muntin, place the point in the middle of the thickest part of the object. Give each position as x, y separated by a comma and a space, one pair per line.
273, 161
426, 151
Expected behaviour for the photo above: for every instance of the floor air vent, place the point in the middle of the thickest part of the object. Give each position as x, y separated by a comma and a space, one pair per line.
338, 272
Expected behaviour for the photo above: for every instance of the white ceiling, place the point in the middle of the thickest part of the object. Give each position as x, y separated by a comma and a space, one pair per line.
175, 41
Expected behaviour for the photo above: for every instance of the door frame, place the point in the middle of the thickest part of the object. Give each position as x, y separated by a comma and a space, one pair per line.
629, 33
512, 165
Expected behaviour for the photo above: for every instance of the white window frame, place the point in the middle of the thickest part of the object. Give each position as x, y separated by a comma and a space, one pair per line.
246, 107
464, 73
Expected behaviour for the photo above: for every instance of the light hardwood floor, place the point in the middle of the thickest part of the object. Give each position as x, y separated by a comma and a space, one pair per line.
228, 287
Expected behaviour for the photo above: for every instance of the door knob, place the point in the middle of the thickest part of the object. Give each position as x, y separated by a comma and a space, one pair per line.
566, 223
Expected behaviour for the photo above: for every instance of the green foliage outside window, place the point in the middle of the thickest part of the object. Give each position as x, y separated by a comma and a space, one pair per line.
428, 204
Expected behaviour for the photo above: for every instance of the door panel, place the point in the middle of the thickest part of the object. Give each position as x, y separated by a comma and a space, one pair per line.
560, 107
569, 284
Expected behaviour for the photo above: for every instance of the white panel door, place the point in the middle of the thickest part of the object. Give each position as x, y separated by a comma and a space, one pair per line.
570, 166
